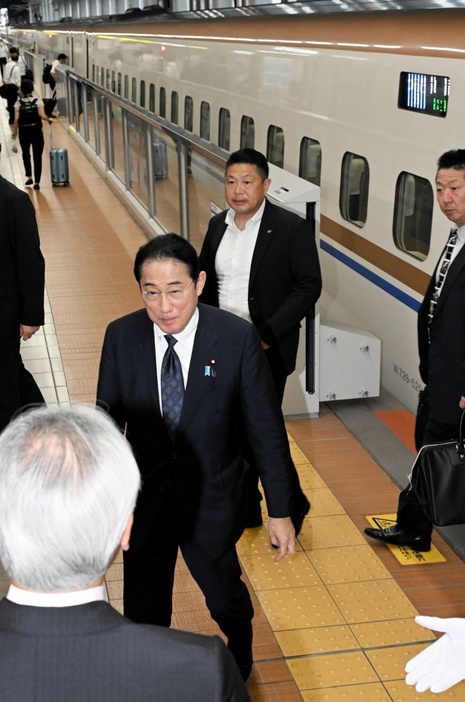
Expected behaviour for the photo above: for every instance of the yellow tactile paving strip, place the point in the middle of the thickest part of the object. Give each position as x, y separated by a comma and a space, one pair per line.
343, 623
404, 554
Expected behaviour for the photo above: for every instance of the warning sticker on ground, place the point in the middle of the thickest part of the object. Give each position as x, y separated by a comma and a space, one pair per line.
404, 554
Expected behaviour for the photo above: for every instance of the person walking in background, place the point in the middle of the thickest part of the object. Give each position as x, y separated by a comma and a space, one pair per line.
3, 55
68, 485
262, 264
61, 58
29, 113
21, 61
12, 80
441, 345
22, 286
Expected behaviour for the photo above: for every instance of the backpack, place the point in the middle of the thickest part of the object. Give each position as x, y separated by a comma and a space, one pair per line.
46, 77
28, 113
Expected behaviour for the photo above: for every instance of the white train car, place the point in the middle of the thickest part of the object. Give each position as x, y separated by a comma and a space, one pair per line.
360, 104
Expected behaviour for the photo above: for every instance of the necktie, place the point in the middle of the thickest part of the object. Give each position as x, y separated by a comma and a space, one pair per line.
172, 386
441, 275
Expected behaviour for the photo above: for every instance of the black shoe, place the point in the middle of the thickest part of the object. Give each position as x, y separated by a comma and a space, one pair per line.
29, 181
300, 513
36, 186
245, 670
399, 537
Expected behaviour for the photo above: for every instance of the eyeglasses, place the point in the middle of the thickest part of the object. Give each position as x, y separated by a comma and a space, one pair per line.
173, 295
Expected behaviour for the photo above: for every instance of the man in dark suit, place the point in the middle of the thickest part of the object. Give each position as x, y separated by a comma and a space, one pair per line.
68, 485
193, 494
441, 342
261, 263
22, 284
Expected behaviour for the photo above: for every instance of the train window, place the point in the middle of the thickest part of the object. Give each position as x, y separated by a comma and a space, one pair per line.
107, 81
113, 82
142, 93
310, 160
119, 83
247, 132
422, 92
353, 195
275, 146
205, 120
102, 77
162, 107
188, 113
94, 70
413, 215
224, 128
152, 97
174, 107
126, 87
134, 90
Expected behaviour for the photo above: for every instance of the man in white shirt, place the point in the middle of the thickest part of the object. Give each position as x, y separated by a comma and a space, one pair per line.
68, 486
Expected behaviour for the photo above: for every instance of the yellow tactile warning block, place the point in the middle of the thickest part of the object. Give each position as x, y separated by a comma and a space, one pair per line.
299, 608
400, 692
404, 554
309, 478
297, 454
372, 601
348, 564
329, 532
323, 502
265, 574
390, 633
257, 541
369, 692
307, 642
348, 668
389, 663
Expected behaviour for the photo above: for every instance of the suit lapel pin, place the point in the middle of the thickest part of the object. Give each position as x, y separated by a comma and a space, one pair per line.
210, 369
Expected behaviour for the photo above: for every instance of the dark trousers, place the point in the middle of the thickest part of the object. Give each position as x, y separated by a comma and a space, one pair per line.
32, 137
410, 515
149, 578
279, 374
12, 96
17, 386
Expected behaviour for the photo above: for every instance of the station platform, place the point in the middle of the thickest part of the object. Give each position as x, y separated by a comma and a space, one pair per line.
334, 622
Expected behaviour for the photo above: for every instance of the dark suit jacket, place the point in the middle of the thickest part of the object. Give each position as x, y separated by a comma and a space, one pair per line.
442, 362
91, 653
204, 465
21, 262
285, 277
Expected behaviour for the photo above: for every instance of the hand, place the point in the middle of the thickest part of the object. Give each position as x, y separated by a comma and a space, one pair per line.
442, 664
282, 535
265, 346
462, 402
26, 332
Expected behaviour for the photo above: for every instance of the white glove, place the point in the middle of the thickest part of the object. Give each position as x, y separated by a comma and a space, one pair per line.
441, 665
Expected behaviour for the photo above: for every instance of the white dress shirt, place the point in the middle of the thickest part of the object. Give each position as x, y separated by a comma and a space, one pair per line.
31, 598
233, 262
183, 348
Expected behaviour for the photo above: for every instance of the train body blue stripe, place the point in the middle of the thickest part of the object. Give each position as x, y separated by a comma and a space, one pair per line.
403, 297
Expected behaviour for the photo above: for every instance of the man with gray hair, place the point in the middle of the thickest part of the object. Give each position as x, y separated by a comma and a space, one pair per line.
68, 486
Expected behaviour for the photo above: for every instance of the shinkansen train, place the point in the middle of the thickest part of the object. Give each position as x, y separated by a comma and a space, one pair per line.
360, 104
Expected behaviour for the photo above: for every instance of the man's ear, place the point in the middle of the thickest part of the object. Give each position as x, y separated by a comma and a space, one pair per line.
124, 543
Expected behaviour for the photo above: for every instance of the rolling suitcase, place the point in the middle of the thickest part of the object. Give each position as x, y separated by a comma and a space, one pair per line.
59, 169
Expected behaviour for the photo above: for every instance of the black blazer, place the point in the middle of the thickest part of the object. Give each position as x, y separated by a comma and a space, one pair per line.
204, 464
442, 362
22, 266
285, 277
92, 653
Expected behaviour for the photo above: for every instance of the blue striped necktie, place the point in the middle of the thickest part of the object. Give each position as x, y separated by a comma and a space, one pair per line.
172, 386
441, 273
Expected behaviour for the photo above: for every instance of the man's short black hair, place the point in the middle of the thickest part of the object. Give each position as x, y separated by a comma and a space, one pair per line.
255, 158
454, 159
27, 86
62, 56
166, 247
